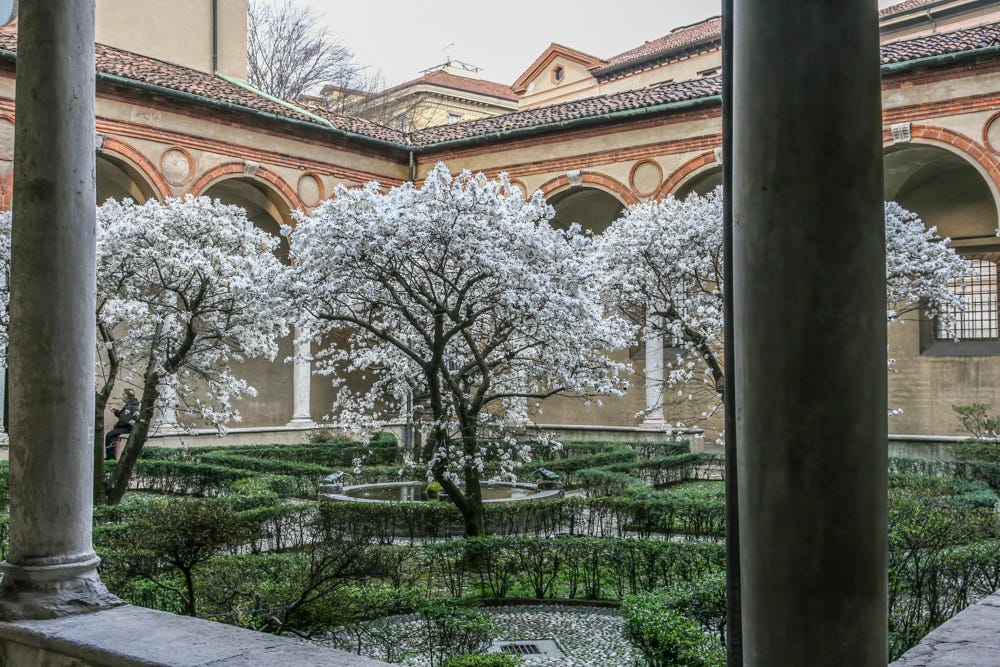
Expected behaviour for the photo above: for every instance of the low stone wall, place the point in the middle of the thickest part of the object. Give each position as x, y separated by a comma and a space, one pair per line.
129, 636
969, 639
928, 448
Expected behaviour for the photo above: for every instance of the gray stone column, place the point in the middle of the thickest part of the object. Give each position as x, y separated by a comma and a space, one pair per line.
810, 332
654, 417
301, 381
51, 567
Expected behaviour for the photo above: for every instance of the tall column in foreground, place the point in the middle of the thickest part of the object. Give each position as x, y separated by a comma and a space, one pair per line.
51, 569
810, 332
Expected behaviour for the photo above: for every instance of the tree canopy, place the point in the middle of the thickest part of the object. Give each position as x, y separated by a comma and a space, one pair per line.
458, 293
184, 289
661, 264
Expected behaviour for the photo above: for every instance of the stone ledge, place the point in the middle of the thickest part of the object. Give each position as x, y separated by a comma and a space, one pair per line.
137, 637
969, 639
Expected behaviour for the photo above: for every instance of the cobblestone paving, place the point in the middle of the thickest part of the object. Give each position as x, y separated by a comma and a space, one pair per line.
587, 636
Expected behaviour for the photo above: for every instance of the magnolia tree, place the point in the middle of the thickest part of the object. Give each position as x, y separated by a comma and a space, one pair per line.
662, 264
183, 289
459, 293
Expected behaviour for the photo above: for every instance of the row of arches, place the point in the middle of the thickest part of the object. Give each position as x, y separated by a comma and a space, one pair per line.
940, 179
951, 189
949, 183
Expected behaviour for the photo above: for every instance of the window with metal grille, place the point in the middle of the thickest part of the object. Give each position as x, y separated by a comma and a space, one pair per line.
521, 649
980, 320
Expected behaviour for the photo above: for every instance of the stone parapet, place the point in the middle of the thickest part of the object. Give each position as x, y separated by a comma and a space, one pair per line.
129, 636
969, 639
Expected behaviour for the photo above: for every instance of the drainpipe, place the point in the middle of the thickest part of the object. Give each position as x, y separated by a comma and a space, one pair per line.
412, 173
932, 21
215, 36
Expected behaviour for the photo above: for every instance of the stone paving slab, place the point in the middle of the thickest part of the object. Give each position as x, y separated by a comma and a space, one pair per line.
969, 639
129, 636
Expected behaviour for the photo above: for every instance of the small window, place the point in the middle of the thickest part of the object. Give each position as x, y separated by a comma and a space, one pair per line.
403, 122
454, 118
558, 74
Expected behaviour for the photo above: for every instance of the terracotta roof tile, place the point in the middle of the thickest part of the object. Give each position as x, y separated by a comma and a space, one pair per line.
150, 71
941, 44
706, 30
133, 67
574, 110
901, 7
467, 84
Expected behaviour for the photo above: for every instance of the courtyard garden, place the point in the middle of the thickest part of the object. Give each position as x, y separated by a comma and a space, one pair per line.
627, 567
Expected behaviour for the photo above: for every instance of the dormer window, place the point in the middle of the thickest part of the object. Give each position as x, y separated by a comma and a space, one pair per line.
558, 74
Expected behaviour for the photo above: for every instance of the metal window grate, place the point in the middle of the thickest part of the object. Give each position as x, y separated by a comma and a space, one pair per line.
981, 318
521, 649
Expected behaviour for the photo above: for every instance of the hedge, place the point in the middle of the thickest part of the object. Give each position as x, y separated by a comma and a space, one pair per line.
565, 567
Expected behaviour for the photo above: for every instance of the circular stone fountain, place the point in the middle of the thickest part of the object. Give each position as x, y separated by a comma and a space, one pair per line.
413, 491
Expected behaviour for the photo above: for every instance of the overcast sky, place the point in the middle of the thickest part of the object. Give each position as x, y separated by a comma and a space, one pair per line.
403, 37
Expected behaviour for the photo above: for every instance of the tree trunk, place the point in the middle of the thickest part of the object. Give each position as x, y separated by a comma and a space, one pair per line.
189, 585
100, 403
469, 504
136, 439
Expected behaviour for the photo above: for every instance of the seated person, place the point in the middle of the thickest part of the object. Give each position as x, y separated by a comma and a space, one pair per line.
127, 416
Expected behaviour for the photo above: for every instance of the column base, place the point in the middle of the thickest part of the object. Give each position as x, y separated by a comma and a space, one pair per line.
655, 424
301, 422
52, 591
167, 429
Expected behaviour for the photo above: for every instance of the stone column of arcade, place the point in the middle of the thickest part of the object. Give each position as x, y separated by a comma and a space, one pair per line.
301, 380
810, 336
51, 569
654, 379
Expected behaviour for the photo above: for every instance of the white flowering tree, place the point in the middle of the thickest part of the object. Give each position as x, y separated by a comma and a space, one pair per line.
460, 293
183, 289
662, 264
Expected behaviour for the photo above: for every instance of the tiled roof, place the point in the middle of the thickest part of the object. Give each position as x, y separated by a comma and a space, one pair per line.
440, 77
144, 70
941, 44
901, 7
689, 35
153, 72
570, 111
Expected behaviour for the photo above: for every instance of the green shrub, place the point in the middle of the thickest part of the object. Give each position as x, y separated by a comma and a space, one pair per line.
451, 627
666, 637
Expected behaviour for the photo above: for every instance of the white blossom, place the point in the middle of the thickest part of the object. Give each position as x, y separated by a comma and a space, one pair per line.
662, 264
461, 294
184, 289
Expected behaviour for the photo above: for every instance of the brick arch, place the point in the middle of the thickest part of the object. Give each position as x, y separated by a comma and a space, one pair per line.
140, 162
686, 172
7, 191
595, 180
961, 145
237, 170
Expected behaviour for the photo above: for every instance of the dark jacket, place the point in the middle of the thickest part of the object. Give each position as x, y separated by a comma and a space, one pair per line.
128, 414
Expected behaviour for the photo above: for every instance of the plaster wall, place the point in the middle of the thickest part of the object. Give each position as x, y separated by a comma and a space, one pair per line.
159, 30
680, 70
910, 91
926, 387
576, 83
541, 159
